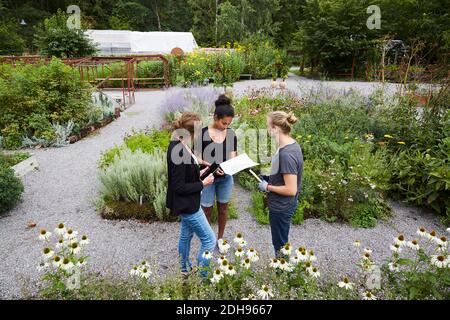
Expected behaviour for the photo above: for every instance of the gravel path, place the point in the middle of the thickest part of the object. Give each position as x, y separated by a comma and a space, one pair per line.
65, 189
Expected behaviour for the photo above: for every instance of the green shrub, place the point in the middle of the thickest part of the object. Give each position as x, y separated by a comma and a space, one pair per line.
11, 187
344, 173
137, 177
258, 208
54, 39
13, 159
226, 67
35, 98
146, 142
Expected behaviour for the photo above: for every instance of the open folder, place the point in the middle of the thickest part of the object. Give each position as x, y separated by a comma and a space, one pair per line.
232, 166
237, 164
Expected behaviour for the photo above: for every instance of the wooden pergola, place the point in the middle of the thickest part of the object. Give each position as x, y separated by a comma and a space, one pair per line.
95, 71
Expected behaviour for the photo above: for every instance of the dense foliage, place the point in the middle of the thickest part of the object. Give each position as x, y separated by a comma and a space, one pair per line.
357, 151
417, 269
54, 39
11, 187
326, 32
43, 104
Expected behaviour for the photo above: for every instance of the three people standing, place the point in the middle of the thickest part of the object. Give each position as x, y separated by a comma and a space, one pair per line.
193, 199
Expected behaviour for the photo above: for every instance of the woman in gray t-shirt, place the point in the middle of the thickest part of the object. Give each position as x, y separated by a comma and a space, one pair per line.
285, 180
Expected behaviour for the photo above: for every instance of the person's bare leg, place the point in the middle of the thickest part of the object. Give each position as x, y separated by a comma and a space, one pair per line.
222, 212
208, 213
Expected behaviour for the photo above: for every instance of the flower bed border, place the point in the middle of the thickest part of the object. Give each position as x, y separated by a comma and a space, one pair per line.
94, 127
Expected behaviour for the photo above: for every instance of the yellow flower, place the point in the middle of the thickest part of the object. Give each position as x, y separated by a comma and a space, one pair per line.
401, 142
388, 136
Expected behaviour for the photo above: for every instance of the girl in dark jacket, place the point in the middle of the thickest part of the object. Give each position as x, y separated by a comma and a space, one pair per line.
183, 193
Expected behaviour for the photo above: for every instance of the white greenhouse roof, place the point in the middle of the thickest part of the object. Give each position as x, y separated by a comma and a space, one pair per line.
121, 42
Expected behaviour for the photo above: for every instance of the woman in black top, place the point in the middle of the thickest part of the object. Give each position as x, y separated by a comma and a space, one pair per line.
183, 193
219, 144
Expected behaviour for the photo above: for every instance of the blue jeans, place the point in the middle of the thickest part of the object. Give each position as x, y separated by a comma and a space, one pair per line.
198, 224
280, 223
221, 189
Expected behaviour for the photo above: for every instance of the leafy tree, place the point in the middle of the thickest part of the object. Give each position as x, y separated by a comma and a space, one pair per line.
54, 38
230, 26
11, 42
204, 21
132, 14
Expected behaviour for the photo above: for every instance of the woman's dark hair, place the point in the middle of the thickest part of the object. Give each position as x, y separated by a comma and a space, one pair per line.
223, 107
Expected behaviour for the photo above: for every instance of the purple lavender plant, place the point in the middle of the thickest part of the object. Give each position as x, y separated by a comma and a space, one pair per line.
204, 95
175, 100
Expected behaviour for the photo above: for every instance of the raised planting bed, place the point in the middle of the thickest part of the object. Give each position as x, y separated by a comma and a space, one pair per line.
94, 127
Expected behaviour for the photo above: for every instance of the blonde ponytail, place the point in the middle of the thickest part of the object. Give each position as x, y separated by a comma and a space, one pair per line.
283, 120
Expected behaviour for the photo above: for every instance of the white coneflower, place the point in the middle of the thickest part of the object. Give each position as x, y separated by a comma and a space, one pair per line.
74, 248
60, 244
217, 276
311, 256
356, 243
243, 243
368, 295
84, 240
303, 256
238, 238
393, 267
314, 272
367, 250
220, 259
285, 266
366, 256
442, 241
265, 293
81, 263
44, 235
431, 236
56, 261
396, 248
43, 266
254, 258
286, 249
144, 273
239, 252
251, 253
60, 229
413, 244
145, 264
294, 260
346, 284
230, 270
246, 263
135, 271
350, 199
47, 253
308, 265
300, 250
448, 230
66, 264
224, 246
224, 265
400, 240
207, 255
70, 234
439, 261
422, 232
274, 263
